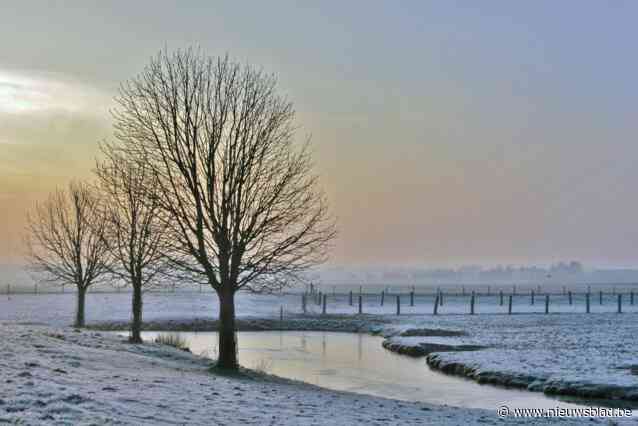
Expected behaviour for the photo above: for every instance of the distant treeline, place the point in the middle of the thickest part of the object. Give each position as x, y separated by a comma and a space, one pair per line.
560, 273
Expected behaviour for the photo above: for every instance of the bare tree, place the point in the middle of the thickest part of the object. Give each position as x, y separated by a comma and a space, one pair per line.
134, 231
65, 241
245, 207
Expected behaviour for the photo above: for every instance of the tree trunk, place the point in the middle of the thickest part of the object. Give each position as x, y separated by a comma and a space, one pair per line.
227, 358
79, 313
136, 324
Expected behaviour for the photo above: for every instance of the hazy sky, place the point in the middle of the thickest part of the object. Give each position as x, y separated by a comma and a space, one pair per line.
446, 132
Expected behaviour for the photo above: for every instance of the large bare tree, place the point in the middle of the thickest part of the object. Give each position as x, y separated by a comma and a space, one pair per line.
134, 232
65, 241
244, 204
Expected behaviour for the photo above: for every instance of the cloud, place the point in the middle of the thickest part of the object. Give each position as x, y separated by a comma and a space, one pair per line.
49, 132
27, 92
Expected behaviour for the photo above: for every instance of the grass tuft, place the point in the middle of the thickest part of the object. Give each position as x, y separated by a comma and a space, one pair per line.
173, 339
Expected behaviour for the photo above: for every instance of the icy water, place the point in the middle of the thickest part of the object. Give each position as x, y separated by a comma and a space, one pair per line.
358, 363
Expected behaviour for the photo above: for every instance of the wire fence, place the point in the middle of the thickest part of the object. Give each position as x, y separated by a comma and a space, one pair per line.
471, 302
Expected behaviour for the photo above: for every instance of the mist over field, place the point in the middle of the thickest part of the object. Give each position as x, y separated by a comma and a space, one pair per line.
329, 277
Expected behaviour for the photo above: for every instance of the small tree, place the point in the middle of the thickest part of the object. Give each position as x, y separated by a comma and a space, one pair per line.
244, 205
65, 241
134, 231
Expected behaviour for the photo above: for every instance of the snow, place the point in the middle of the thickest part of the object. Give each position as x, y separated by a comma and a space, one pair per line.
564, 352
61, 376
57, 308
556, 353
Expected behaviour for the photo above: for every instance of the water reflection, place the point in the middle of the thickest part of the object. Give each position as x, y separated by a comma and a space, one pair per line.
337, 361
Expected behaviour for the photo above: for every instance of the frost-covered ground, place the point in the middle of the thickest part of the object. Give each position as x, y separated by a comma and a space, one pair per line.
60, 376
576, 354
566, 351
56, 308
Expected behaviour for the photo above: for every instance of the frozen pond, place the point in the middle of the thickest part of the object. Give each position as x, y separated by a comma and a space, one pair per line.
358, 363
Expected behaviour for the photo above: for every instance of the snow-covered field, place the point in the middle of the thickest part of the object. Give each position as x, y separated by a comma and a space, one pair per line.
555, 352
59, 376
57, 308
560, 353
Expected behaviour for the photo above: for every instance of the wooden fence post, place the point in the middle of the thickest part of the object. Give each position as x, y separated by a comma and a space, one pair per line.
412, 298
619, 303
532, 297
360, 304
436, 305
382, 297
569, 295
398, 304
631, 298
325, 302
303, 303
440, 298
509, 306
281, 314
472, 303
350, 298
600, 297
547, 303
500, 293
587, 302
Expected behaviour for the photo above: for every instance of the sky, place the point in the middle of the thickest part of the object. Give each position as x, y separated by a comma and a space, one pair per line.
444, 132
